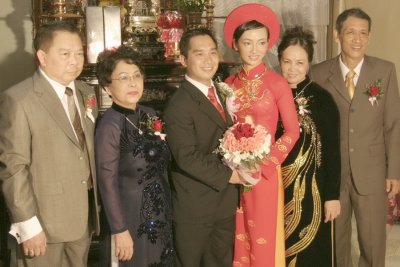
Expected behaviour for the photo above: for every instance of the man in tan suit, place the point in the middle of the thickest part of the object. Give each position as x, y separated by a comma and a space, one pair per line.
369, 107
46, 154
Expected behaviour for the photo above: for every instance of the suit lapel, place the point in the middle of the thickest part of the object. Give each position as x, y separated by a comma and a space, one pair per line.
336, 80
50, 101
364, 79
205, 105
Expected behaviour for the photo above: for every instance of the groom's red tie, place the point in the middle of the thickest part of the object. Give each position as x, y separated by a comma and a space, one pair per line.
214, 101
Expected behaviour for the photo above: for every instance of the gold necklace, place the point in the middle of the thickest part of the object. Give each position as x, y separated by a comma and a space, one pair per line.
251, 89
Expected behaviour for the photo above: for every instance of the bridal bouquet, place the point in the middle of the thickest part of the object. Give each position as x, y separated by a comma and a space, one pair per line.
243, 147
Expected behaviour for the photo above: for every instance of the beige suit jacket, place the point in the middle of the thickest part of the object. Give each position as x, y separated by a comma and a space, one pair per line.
42, 167
369, 134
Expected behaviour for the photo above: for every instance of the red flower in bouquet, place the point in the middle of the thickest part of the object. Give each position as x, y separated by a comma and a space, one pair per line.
244, 146
243, 130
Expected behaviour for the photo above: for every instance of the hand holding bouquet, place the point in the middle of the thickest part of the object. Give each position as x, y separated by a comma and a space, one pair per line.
243, 147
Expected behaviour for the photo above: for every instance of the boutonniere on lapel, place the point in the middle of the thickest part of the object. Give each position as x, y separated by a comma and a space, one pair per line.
90, 104
302, 104
374, 92
156, 125
229, 97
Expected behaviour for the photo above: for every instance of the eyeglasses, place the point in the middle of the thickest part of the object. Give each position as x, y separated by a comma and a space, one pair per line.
125, 78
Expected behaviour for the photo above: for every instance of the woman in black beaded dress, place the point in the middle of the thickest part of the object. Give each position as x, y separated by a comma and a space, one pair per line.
132, 159
311, 172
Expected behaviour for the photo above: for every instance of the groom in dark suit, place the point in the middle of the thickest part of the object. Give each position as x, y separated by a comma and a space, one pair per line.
47, 155
204, 197
366, 92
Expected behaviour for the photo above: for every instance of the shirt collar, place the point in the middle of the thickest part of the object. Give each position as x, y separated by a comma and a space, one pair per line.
345, 69
58, 87
203, 88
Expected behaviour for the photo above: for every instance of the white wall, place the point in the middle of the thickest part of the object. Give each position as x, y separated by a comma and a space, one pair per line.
385, 37
16, 58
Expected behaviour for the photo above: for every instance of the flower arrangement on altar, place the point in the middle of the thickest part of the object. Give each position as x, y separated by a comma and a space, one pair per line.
187, 6
171, 24
374, 91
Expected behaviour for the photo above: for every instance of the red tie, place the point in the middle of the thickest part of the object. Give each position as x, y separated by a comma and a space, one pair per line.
214, 101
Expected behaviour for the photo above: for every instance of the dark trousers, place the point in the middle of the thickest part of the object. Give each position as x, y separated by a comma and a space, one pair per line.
204, 244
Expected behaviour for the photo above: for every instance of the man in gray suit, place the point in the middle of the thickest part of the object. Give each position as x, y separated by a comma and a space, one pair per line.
203, 195
366, 92
46, 154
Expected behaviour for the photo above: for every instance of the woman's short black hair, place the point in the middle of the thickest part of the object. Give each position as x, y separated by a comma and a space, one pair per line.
297, 36
108, 59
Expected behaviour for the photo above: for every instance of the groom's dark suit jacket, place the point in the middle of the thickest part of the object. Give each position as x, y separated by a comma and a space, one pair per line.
200, 189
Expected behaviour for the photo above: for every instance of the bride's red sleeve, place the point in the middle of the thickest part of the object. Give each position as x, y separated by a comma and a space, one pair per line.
283, 145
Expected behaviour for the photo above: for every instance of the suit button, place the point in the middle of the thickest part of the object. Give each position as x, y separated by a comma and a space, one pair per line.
81, 158
351, 130
351, 150
83, 182
352, 110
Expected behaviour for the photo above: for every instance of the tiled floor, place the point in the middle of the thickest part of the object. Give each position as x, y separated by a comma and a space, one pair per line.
392, 246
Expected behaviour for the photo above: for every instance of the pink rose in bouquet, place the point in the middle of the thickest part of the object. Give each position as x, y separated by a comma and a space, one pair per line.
243, 147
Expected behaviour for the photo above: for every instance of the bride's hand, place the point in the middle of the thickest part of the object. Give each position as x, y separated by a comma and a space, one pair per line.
235, 178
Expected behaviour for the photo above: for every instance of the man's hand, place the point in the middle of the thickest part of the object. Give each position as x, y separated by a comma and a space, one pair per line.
123, 246
392, 187
36, 246
235, 178
332, 210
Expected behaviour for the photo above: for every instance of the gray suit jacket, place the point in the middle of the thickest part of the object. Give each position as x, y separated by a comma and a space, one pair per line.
369, 135
200, 193
42, 167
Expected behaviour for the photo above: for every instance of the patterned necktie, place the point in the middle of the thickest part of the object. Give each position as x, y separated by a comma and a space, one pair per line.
74, 117
211, 96
350, 83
